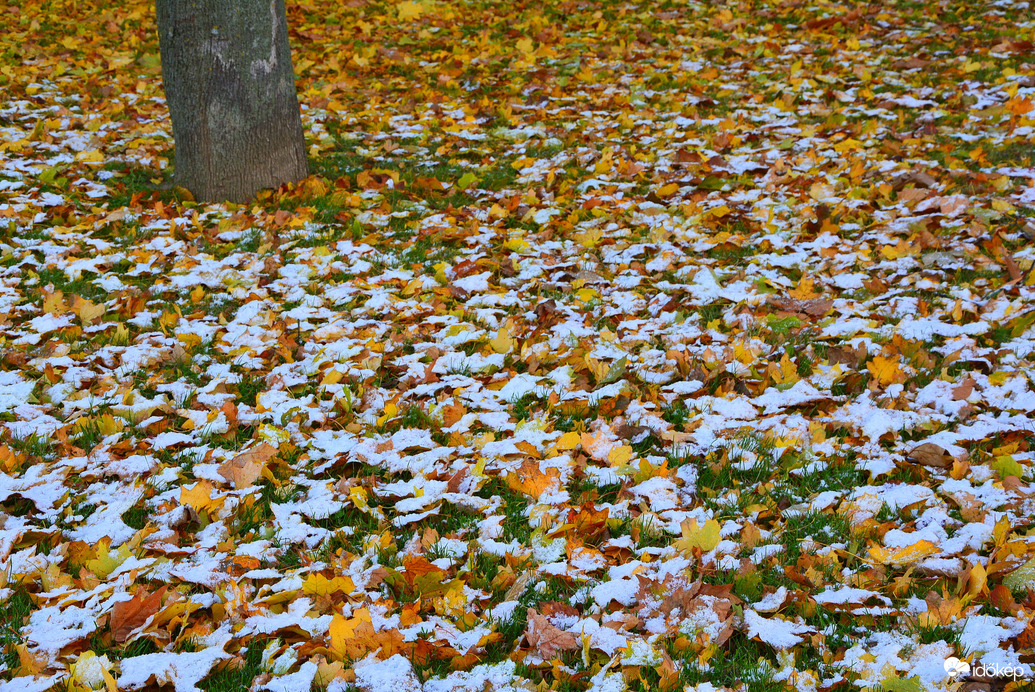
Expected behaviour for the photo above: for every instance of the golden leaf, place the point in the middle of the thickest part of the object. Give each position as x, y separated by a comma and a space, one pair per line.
319, 585
903, 556
884, 370
199, 496
87, 311
107, 561
805, 289
54, 303
502, 343
667, 190
704, 537
409, 10
619, 456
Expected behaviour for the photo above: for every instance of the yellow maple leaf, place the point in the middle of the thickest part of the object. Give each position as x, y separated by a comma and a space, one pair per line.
518, 245
409, 10
977, 581
784, 373
902, 556
92, 156
805, 289
199, 496
107, 561
893, 252
668, 190
319, 585
54, 303
705, 537
453, 603
87, 311
821, 191
884, 370
502, 343
86, 668
590, 238
619, 456
358, 495
569, 440
525, 45
343, 632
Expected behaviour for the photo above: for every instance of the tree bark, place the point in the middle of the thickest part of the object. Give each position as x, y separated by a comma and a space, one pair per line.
230, 88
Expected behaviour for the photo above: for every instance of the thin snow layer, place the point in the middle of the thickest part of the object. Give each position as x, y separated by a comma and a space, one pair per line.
181, 670
394, 674
778, 633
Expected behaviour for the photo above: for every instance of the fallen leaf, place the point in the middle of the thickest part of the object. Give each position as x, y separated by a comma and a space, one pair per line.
127, 616
244, 469
930, 454
547, 640
903, 556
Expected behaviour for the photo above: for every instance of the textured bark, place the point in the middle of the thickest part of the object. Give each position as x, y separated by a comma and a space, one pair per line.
230, 87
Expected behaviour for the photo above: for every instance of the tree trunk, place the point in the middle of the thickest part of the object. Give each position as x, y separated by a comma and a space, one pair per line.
230, 87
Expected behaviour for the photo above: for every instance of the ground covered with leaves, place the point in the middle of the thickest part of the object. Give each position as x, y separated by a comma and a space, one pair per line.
611, 346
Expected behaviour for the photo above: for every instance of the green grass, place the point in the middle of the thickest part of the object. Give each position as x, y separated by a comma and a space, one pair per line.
13, 613
741, 661
241, 677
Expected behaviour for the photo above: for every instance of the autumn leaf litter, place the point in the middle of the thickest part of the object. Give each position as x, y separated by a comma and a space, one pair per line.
608, 348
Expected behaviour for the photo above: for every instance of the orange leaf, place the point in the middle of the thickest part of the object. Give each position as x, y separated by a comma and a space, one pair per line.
530, 480
127, 616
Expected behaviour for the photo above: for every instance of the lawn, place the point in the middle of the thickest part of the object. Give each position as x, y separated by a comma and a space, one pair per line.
610, 346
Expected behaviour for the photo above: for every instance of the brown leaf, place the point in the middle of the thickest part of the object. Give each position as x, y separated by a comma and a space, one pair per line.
546, 639
851, 356
930, 454
551, 607
455, 481
812, 308
246, 467
1012, 268
964, 389
546, 313
912, 63
127, 616
376, 576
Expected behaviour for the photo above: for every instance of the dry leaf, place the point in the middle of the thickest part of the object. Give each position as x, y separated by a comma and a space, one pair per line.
127, 616
245, 468
546, 639
930, 454
963, 390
